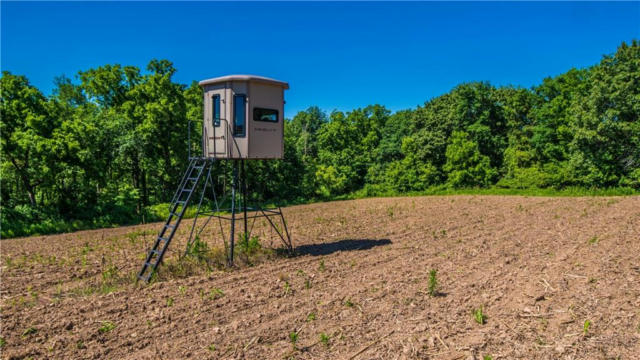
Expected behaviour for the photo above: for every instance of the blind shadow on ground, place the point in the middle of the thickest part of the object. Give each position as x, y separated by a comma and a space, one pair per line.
342, 245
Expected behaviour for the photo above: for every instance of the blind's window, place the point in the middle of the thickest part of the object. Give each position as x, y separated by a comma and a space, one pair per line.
215, 111
239, 115
268, 115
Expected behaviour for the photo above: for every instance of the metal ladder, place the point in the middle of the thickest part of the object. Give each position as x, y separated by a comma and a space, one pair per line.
177, 209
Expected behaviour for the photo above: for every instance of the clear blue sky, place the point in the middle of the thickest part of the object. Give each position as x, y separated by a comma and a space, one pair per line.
334, 55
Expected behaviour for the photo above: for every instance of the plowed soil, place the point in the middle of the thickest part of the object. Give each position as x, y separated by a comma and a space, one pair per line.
556, 278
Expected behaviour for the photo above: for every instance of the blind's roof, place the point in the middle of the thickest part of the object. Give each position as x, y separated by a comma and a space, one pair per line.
255, 78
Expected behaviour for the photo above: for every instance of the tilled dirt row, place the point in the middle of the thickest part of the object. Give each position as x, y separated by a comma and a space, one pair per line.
556, 278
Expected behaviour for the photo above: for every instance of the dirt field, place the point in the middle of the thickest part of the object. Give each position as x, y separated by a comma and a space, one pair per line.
556, 278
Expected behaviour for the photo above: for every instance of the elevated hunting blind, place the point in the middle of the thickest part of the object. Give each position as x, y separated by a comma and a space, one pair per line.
243, 119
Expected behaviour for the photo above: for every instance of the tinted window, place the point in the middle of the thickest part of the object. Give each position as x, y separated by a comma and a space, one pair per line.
268, 115
239, 115
215, 100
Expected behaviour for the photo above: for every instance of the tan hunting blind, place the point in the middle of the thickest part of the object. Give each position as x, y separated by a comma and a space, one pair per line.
243, 117
243, 120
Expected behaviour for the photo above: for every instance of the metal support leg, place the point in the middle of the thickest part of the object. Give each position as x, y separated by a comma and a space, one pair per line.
244, 200
234, 183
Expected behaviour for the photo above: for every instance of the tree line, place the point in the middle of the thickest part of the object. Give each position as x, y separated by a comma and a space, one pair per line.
107, 147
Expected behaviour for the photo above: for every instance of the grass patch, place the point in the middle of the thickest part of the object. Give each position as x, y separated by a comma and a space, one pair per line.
433, 283
29, 331
371, 191
293, 337
50, 224
106, 326
324, 339
215, 294
479, 316
585, 327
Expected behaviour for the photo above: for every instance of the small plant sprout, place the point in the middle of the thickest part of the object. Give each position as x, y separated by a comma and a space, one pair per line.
321, 267
324, 339
3, 342
293, 337
182, 289
311, 317
169, 301
215, 293
390, 211
307, 284
585, 327
348, 303
106, 327
29, 331
487, 357
433, 283
287, 288
80, 345
593, 240
211, 348
479, 316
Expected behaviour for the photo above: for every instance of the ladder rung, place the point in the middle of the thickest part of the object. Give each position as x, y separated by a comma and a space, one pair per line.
192, 178
162, 239
154, 251
169, 226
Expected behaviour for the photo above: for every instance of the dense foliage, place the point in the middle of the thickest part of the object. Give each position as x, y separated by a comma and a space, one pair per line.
105, 149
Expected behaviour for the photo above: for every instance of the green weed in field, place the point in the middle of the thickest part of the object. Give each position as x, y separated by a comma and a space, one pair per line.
479, 316
293, 337
585, 327
29, 331
324, 339
106, 326
215, 293
433, 283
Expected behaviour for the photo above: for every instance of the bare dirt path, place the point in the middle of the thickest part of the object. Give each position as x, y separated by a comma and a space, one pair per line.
540, 268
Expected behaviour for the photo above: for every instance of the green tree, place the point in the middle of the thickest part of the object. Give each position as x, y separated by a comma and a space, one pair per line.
26, 131
465, 165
